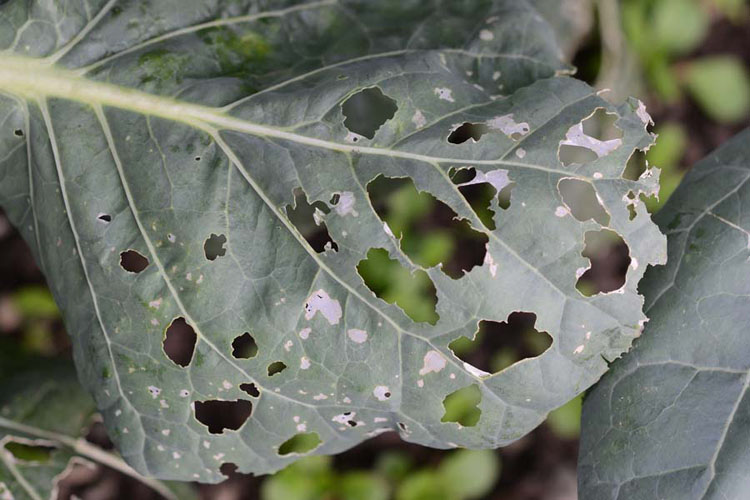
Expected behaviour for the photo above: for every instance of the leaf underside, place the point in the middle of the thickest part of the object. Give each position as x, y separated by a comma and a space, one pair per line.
670, 420
181, 131
47, 401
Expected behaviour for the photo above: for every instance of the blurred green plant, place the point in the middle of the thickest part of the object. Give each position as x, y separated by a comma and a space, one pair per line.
565, 422
667, 154
721, 86
461, 406
461, 475
33, 310
395, 284
662, 31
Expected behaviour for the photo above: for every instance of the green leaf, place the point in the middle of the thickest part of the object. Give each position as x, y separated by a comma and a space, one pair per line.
469, 474
721, 86
43, 413
565, 421
670, 420
154, 168
35, 302
422, 485
362, 486
679, 25
311, 478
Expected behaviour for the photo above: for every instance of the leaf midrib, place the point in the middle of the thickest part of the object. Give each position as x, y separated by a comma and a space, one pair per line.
29, 78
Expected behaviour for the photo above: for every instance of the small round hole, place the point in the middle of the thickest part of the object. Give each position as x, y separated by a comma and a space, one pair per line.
275, 368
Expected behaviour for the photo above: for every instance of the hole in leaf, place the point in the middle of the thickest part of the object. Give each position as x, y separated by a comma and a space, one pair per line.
430, 230
367, 110
581, 198
244, 347
636, 166
496, 346
631, 205
214, 246
402, 426
228, 469
132, 261
462, 406
219, 415
30, 453
275, 368
473, 131
601, 126
610, 258
250, 389
414, 292
308, 219
480, 193
179, 342
105, 218
197, 158
18, 132
570, 155
300, 443
594, 137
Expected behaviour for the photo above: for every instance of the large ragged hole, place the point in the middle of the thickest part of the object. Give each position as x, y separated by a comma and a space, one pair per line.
308, 219
592, 138
219, 415
610, 258
462, 406
303, 442
414, 292
473, 131
366, 111
636, 166
582, 200
601, 126
498, 345
480, 189
30, 452
430, 231
179, 342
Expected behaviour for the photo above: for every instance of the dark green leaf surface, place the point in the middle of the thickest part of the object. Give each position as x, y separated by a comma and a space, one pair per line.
43, 413
47, 399
169, 128
672, 418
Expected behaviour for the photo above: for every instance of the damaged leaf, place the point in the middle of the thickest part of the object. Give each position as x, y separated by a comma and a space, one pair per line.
670, 420
198, 135
43, 411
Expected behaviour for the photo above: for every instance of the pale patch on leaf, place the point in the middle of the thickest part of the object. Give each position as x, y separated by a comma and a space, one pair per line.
445, 94
508, 126
357, 336
321, 302
433, 362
